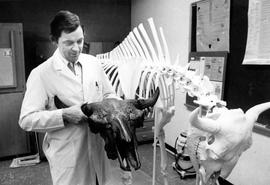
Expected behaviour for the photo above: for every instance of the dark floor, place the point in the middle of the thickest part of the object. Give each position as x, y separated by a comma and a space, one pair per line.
40, 175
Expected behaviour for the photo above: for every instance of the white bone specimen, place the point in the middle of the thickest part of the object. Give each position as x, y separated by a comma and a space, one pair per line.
138, 66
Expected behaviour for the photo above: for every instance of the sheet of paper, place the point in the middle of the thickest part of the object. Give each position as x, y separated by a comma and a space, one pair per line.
213, 20
214, 68
258, 40
218, 87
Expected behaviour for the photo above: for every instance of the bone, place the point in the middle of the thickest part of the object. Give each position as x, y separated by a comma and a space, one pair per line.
129, 77
148, 42
133, 48
166, 49
231, 134
134, 40
117, 125
157, 42
157, 70
143, 46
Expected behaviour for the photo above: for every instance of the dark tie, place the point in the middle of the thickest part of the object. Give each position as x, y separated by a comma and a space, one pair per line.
71, 67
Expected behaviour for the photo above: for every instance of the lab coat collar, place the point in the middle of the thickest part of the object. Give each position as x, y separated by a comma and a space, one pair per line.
60, 62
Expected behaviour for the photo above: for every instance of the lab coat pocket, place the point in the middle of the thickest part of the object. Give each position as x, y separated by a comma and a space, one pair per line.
61, 153
98, 90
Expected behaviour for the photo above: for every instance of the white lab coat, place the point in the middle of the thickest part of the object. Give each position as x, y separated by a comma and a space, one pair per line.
75, 154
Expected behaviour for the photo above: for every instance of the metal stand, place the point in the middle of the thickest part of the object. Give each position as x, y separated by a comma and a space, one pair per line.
27, 160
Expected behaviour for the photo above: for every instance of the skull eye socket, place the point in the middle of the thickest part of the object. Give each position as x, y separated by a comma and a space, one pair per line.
211, 140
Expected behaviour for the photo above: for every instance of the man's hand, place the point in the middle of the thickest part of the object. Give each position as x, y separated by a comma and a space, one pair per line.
73, 115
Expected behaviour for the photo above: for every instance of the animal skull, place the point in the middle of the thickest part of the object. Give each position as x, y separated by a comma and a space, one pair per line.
225, 135
116, 121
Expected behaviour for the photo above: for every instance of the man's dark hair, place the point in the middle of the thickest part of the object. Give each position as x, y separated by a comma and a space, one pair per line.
65, 21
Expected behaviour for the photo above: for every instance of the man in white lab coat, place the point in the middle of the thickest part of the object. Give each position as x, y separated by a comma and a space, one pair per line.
76, 156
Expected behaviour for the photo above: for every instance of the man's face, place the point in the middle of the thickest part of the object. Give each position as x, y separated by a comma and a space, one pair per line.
71, 44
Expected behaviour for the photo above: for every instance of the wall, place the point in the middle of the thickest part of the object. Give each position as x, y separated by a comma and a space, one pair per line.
103, 20
174, 16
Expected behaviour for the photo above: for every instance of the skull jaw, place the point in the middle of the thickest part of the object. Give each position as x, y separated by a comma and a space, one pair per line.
128, 156
128, 162
125, 152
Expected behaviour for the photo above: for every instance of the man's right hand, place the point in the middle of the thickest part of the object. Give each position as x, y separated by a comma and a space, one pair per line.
73, 115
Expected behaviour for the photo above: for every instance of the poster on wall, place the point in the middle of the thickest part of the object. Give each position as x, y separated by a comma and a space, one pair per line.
258, 39
213, 22
212, 65
7, 69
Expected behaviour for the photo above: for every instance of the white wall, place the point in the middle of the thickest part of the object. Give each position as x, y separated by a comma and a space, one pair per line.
253, 167
172, 15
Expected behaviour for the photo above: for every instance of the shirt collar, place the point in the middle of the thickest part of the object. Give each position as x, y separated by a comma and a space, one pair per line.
65, 61
60, 62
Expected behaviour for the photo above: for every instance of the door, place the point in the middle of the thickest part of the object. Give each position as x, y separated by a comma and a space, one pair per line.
13, 140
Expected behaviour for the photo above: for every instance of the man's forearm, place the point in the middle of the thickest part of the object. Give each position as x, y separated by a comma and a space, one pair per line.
42, 121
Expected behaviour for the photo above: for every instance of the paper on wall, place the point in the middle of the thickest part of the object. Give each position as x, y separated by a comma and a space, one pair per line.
258, 40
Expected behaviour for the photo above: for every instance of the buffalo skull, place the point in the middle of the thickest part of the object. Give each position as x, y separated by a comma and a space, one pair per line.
221, 138
116, 121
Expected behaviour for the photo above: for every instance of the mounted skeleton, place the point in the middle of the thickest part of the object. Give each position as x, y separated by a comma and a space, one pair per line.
135, 72
136, 69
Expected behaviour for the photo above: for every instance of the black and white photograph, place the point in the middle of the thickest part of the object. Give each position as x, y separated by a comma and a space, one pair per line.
134, 92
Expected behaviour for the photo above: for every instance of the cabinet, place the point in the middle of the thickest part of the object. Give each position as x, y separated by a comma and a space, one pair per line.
13, 140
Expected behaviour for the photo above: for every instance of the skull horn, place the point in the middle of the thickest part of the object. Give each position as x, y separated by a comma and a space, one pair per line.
59, 104
253, 113
87, 109
142, 104
205, 124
